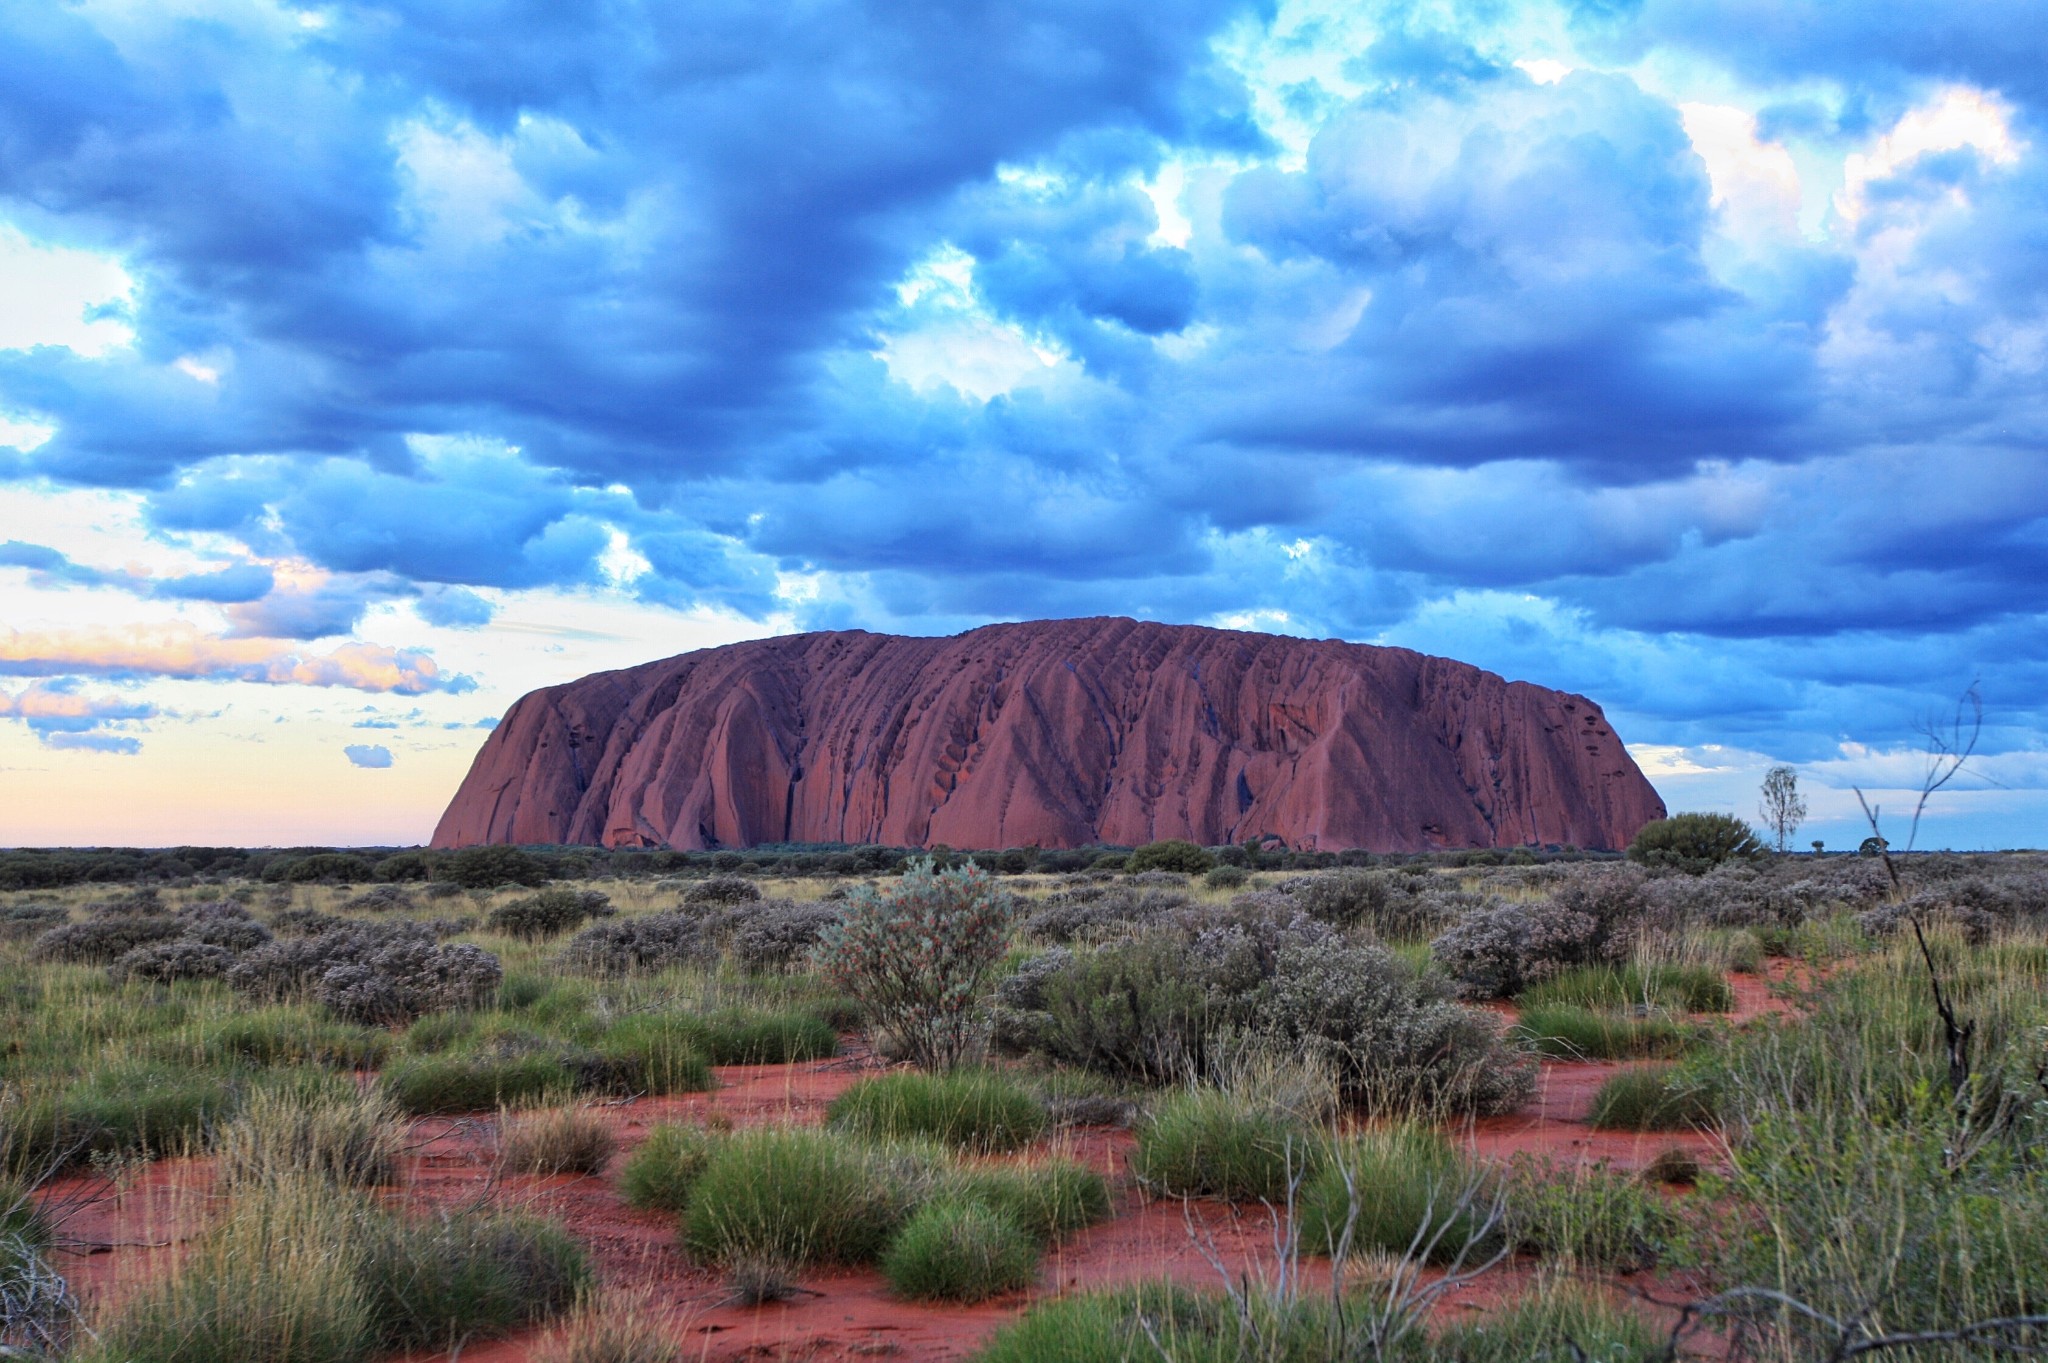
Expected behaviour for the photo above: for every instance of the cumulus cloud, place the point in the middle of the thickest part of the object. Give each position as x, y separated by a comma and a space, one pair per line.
453, 607
62, 715
235, 583
367, 755
180, 650
94, 742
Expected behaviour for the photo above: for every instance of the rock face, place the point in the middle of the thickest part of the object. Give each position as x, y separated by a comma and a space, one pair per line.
1057, 733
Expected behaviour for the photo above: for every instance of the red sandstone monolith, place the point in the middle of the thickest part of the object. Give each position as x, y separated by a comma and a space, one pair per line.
1053, 733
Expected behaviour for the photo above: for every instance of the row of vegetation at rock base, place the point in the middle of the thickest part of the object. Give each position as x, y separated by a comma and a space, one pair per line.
1692, 841
1144, 981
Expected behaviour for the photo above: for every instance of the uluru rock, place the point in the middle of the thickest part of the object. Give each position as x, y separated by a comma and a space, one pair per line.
1057, 733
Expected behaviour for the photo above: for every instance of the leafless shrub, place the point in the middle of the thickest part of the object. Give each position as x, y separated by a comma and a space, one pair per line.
1930, 908
1398, 904
407, 977
38, 1313
1158, 880
1505, 947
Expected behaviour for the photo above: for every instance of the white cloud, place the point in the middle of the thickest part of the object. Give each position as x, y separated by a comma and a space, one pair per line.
198, 370
1543, 70
977, 356
60, 296
1756, 184
1164, 190
1957, 117
620, 562
24, 433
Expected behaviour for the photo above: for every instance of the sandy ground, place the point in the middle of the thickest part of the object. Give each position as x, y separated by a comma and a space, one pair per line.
116, 1237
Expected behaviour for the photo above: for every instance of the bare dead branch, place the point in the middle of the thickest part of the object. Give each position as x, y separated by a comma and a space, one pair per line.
1948, 750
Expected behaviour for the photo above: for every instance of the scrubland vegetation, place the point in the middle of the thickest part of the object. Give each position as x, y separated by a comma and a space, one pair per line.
1327, 1047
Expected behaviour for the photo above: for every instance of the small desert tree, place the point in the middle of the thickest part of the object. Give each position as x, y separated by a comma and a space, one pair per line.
1782, 807
917, 953
1694, 843
1173, 854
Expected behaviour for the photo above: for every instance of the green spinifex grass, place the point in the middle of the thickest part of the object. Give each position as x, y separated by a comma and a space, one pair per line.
1399, 1188
474, 1083
1678, 988
1873, 1188
1208, 1143
1588, 1215
657, 1053
663, 1170
433, 1282
792, 1196
1152, 1321
959, 1250
291, 1034
1572, 1032
298, 1271
982, 1110
1655, 1098
1047, 1198
762, 1037
1165, 1323
1557, 1324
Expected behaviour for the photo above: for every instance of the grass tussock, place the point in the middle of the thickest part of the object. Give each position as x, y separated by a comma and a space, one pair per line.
1047, 1198
278, 1280
1671, 986
434, 1282
1569, 1031
554, 1140
1551, 1325
795, 1197
1165, 1323
1654, 1098
300, 1271
658, 1053
1207, 1143
663, 1171
1588, 1216
354, 1140
613, 1328
444, 1084
960, 1250
978, 1110
1411, 1190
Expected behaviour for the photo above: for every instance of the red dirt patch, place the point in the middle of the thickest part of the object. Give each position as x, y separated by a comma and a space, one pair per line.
840, 1315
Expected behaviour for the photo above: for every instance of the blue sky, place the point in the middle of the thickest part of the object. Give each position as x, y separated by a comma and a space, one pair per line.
364, 366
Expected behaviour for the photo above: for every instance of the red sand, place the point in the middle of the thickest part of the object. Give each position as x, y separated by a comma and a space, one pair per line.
114, 1241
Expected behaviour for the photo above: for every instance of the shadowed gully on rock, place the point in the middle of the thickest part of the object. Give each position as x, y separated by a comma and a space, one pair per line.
1057, 733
